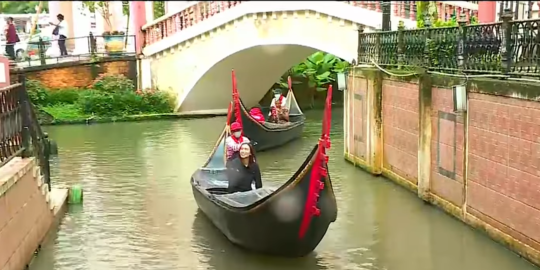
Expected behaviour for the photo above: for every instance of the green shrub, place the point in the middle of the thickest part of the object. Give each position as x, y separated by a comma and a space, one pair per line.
111, 95
64, 96
113, 83
96, 102
158, 102
37, 93
41, 96
124, 103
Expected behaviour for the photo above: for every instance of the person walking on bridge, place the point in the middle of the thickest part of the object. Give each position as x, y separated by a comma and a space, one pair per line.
10, 33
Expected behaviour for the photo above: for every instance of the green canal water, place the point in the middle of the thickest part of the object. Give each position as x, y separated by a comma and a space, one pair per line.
139, 213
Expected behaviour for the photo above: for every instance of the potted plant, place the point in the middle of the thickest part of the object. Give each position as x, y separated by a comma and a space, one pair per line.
114, 40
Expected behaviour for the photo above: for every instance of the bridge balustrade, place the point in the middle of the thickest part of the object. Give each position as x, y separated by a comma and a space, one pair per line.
199, 11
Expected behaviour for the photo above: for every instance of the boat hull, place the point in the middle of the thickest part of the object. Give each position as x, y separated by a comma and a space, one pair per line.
271, 225
267, 136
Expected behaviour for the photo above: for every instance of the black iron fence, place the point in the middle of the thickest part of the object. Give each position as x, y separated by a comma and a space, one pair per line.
20, 132
507, 47
42, 50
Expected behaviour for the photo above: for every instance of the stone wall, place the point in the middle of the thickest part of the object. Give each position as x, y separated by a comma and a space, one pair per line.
79, 74
26, 212
481, 165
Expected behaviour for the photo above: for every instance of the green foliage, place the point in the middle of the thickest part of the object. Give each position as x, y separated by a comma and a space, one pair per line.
125, 7
441, 46
65, 112
37, 93
124, 103
101, 7
22, 7
64, 96
159, 9
111, 95
320, 69
428, 7
113, 83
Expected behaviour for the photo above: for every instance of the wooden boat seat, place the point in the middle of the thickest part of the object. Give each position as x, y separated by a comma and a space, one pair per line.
242, 199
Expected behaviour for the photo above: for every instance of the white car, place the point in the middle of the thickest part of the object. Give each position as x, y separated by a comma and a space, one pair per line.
30, 47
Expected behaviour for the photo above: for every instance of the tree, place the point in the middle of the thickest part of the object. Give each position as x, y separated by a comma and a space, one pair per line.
319, 70
101, 7
21, 7
159, 9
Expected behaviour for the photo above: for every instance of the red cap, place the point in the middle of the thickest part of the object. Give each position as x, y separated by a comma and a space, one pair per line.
236, 126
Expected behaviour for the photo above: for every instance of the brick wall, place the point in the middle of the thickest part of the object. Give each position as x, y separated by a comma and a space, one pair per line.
482, 166
79, 74
400, 125
504, 163
25, 215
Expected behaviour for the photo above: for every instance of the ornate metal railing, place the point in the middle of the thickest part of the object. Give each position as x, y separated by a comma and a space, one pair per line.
507, 47
20, 132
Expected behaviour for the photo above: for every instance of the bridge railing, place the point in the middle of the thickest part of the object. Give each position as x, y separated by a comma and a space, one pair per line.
508, 48
408, 9
20, 132
41, 51
199, 11
192, 14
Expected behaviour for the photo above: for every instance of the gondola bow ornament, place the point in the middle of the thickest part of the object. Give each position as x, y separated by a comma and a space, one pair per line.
319, 170
236, 100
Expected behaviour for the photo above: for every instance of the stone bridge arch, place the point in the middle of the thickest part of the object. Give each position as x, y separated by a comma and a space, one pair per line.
260, 40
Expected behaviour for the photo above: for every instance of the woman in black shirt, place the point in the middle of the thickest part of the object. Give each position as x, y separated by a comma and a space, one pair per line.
243, 170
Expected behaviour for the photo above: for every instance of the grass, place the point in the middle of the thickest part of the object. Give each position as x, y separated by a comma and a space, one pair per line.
65, 112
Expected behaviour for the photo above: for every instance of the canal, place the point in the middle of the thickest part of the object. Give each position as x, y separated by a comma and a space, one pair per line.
139, 213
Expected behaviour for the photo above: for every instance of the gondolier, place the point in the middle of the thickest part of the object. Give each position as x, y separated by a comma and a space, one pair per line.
278, 96
234, 141
266, 135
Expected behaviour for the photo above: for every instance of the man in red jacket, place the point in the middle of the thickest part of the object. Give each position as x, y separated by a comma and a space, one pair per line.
10, 33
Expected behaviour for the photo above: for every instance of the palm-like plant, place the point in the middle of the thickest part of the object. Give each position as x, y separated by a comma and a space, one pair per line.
319, 70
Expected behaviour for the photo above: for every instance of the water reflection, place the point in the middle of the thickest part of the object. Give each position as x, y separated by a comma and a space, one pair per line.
220, 254
139, 211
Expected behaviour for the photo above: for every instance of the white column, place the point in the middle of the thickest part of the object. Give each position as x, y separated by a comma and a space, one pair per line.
65, 8
54, 9
83, 27
117, 16
149, 9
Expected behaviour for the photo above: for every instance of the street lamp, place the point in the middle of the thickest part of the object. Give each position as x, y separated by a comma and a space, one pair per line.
459, 94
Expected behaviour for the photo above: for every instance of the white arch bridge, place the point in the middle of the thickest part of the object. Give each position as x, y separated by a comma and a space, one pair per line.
192, 51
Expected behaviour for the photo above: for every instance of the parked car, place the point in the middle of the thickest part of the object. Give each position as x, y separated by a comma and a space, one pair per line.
31, 47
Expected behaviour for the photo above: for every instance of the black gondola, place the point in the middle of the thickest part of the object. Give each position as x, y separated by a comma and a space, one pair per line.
289, 221
270, 135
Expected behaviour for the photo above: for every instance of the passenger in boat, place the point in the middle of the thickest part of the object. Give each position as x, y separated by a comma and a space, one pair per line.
234, 141
278, 96
257, 114
243, 171
279, 114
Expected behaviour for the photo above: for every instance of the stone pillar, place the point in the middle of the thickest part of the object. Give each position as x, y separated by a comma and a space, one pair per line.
66, 9
117, 16
137, 10
424, 138
487, 11
82, 14
54, 9
149, 10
